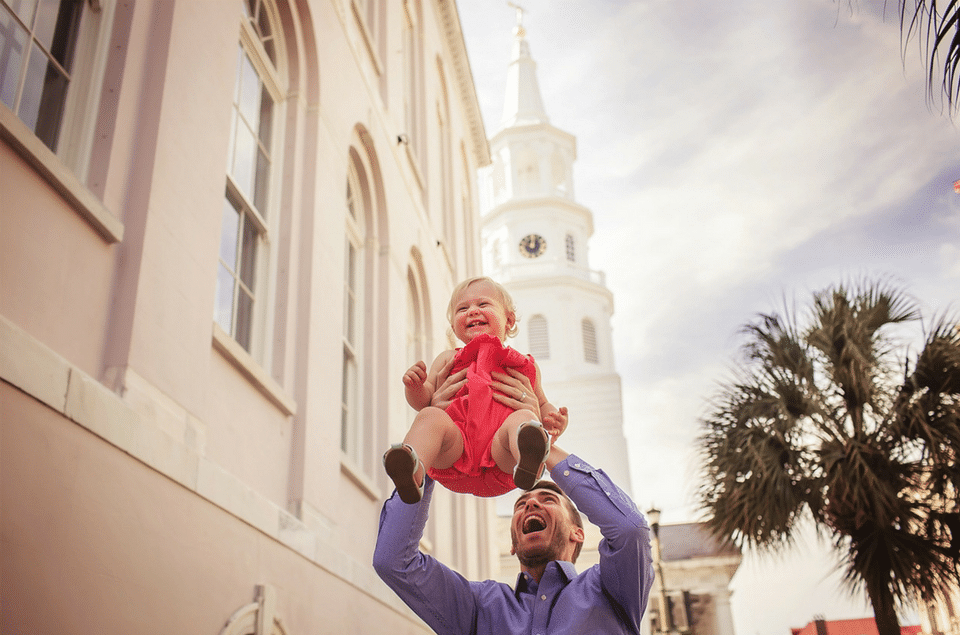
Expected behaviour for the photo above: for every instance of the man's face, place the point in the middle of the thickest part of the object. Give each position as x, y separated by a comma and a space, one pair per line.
542, 530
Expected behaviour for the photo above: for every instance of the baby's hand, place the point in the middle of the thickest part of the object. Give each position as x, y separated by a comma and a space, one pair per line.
415, 375
555, 423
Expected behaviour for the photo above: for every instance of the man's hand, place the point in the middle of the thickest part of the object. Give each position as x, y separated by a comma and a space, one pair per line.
514, 390
448, 385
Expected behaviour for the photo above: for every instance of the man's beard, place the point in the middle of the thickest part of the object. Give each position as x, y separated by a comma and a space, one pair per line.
541, 555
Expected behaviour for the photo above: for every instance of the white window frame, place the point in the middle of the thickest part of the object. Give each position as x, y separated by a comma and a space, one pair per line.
265, 220
67, 169
351, 417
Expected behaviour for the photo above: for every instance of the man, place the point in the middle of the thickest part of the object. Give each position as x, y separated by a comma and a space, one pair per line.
550, 597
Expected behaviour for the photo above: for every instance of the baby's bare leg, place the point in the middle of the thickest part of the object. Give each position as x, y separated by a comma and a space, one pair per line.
435, 438
504, 447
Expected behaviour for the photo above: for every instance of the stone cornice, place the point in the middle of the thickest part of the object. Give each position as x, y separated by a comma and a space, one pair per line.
450, 24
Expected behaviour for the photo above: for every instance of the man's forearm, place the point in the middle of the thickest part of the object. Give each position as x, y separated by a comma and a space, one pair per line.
625, 558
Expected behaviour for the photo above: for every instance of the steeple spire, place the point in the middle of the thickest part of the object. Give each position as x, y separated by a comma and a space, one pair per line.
522, 104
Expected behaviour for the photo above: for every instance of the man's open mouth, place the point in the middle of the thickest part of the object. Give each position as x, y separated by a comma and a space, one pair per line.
533, 523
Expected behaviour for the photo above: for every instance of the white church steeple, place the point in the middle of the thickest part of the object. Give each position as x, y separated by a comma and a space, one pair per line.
535, 240
522, 103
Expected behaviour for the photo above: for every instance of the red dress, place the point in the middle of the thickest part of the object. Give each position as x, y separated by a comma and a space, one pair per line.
479, 416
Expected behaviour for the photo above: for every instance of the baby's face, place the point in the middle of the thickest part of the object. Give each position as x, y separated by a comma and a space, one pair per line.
477, 310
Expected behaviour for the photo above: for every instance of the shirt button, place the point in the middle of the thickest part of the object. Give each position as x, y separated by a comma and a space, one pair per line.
566, 472
543, 597
576, 465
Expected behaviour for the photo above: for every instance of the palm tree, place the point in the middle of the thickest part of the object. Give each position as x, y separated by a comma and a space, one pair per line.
834, 420
938, 27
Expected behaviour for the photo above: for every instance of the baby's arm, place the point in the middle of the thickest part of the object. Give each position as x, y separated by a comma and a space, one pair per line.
415, 386
553, 419
420, 384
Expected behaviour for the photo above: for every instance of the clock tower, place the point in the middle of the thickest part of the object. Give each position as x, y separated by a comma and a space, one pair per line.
534, 238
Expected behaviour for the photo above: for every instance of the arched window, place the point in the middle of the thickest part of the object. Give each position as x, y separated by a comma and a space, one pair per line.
539, 337
248, 210
352, 433
571, 249
589, 341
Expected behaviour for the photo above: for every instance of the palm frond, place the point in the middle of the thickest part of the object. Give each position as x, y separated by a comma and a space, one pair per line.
938, 32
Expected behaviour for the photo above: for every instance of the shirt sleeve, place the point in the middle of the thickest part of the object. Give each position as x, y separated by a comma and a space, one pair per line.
440, 596
626, 565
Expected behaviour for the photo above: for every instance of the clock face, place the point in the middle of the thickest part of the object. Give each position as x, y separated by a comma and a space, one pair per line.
532, 245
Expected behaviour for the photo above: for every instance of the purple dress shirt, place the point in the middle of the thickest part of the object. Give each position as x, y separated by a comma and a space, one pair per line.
608, 598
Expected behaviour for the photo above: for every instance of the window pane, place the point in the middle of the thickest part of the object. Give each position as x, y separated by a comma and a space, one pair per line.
266, 35
262, 183
57, 26
349, 294
249, 103
351, 204
346, 403
248, 257
266, 117
12, 44
25, 10
245, 155
33, 88
236, 86
46, 23
52, 102
223, 310
229, 231
244, 318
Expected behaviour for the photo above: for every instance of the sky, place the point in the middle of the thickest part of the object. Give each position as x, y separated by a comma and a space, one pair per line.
735, 156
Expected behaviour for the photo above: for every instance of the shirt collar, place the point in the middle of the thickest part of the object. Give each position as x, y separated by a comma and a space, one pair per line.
565, 572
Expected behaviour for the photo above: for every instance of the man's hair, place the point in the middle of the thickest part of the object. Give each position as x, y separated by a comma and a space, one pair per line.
502, 294
572, 510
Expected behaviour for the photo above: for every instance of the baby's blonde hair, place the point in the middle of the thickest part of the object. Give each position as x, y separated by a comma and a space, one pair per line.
504, 296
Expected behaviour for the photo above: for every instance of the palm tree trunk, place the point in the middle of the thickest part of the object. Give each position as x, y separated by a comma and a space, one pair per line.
883, 609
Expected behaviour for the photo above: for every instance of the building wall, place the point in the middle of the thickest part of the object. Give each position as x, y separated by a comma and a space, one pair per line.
156, 472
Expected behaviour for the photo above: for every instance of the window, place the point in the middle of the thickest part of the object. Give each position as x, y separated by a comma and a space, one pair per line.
246, 216
351, 430
539, 339
571, 251
589, 341
37, 44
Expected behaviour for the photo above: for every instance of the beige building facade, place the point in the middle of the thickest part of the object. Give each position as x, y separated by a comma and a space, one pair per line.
227, 227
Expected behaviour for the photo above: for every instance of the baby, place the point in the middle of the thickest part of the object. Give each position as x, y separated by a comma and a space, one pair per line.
477, 444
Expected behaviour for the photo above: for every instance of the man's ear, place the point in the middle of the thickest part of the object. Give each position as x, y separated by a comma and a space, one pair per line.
577, 535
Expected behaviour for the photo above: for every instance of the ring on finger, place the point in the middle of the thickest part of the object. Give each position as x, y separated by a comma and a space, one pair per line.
523, 395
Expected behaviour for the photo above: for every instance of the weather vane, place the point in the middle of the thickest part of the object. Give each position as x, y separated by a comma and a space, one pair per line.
520, 11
